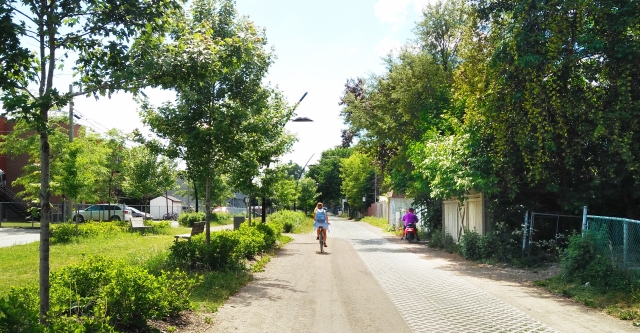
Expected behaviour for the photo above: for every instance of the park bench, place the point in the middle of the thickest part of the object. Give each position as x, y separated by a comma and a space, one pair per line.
198, 228
139, 225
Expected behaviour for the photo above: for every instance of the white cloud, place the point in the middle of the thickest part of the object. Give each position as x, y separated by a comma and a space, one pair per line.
353, 50
387, 45
392, 11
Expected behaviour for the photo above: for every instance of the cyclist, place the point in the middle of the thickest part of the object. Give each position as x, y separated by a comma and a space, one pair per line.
321, 219
409, 218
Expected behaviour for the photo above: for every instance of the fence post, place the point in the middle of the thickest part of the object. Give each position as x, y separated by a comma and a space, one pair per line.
525, 230
584, 221
625, 245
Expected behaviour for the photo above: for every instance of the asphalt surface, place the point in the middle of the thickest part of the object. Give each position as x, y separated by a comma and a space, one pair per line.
18, 236
369, 284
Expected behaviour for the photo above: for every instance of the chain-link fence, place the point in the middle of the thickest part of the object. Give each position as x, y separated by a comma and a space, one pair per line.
616, 238
548, 228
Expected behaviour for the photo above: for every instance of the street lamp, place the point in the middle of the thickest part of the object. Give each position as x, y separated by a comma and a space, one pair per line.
301, 119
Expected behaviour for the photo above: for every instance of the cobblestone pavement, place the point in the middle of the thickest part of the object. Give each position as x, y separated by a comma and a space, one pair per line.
432, 300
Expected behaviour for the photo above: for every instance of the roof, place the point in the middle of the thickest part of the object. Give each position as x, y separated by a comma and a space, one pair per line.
172, 199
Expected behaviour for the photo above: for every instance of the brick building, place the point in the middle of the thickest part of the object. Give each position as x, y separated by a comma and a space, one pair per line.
12, 207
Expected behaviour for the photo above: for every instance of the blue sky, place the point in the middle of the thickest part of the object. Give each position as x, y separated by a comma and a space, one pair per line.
318, 44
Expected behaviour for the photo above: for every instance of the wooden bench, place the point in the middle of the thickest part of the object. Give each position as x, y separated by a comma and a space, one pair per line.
139, 225
198, 228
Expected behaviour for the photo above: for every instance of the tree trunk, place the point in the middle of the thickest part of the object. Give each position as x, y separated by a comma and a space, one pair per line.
45, 210
195, 192
264, 209
208, 208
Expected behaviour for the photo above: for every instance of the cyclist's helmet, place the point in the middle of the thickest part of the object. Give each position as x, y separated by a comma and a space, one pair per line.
411, 209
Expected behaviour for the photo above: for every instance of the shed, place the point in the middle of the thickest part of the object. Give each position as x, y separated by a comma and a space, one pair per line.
459, 217
164, 204
397, 205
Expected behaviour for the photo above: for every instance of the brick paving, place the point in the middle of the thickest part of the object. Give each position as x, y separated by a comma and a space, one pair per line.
429, 299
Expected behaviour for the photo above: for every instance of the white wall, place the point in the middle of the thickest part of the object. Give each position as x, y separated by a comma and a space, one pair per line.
158, 207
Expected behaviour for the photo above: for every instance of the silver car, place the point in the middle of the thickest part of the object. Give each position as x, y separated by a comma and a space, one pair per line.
104, 212
137, 213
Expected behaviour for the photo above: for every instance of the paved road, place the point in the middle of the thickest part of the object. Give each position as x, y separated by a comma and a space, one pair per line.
369, 284
16, 236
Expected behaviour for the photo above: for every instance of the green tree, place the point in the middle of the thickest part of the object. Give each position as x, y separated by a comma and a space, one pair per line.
101, 34
147, 175
222, 113
307, 193
356, 173
327, 174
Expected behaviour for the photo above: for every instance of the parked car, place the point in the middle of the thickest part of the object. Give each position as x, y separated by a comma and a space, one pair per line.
220, 209
137, 213
104, 212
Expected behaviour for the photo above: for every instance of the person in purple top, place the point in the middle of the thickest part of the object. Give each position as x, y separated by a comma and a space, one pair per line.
410, 218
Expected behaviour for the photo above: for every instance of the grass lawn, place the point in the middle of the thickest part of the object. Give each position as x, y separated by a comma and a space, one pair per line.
623, 305
13, 224
19, 263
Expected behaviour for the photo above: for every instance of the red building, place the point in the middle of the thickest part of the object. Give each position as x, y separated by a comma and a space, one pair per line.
12, 207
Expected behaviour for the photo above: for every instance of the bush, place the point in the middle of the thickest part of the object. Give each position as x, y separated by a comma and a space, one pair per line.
448, 244
19, 311
470, 245
437, 239
187, 219
66, 232
500, 244
227, 249
99, 295
288, 221
581, 263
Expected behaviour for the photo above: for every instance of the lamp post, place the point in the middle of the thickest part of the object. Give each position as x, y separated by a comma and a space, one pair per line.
113, 173
298, 180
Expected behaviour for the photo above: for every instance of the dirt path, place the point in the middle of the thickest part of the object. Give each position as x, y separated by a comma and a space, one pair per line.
302, 291
361, 286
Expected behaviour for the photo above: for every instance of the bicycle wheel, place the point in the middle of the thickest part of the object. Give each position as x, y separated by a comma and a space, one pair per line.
321, 242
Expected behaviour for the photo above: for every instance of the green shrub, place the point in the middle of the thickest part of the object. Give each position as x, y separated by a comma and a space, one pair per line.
470, 245
437, 239
99, 295
227, 249
19, 311
582, 263
448, 244
66, 232
187, 219
501, 244
295, 221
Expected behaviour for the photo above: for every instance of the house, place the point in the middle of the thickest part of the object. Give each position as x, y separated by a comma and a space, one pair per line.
11, 206
164, 204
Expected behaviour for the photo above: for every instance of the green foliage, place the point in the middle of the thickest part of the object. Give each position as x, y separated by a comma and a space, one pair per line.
99, 295
448, 244
582, 263
188, 219
308, 193
147, 174
19, 311
227, 249
326, 173
470, 245
284, 220
356, 172
437, 239
67, 232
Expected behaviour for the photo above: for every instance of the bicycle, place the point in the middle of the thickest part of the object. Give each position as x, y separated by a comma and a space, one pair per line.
321, 238
170, 216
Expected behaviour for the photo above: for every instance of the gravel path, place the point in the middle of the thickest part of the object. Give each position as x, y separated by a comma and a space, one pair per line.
371, 283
